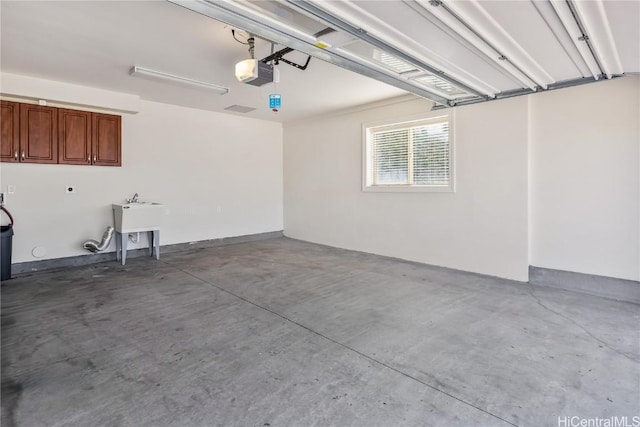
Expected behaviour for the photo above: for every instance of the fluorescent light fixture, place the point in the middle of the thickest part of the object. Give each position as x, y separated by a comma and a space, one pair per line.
145, 72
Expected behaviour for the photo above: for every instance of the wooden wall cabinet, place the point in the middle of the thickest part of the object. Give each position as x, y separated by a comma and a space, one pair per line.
10, 133
74, 137
86, 138
37, 134
106, 139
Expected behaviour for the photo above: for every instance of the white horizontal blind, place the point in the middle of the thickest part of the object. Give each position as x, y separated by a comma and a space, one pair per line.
390, 158
410, 154
431, 154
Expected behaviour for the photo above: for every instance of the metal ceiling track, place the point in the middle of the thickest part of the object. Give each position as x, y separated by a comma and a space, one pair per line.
361, 34
501, 55
240, 16
585, 38
520, 92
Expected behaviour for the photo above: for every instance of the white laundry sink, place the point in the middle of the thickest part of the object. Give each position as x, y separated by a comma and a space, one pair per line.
137, 217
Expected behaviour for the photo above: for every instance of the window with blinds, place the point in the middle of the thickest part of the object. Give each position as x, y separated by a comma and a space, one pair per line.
409, 155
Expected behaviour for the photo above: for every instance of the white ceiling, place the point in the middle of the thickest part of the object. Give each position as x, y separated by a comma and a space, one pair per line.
501, 48
95, 43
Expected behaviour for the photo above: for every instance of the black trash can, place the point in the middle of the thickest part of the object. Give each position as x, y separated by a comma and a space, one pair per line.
6, 239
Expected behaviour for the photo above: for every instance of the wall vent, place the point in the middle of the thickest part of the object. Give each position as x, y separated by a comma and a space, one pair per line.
239, 108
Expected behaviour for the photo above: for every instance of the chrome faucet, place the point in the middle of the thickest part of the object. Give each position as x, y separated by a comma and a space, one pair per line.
134, 199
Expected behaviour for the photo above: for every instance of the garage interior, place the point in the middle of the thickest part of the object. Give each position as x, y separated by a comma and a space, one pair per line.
298, 276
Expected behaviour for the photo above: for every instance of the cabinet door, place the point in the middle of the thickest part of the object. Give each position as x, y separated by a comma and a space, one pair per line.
9, 137
74, 137
38, 134
106, 135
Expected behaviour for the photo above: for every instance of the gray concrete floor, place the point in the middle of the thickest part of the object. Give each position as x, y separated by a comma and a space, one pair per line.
286, 333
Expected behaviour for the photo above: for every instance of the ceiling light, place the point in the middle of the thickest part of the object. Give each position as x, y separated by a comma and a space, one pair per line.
254, 72
145, 72
247, 70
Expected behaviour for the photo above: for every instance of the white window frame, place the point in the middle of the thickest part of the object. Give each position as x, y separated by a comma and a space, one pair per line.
402, 123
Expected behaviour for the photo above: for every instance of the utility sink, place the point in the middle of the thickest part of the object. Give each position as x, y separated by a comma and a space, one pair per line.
137, 217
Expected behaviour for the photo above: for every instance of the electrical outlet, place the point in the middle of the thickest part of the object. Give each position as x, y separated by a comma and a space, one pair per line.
70, 189
11, 189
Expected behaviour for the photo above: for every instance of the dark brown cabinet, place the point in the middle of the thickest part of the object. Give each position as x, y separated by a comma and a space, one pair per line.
106, 139
88, 138
74, 137
10, 134
38, 134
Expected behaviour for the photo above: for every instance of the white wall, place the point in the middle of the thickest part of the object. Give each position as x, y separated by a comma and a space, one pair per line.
585, 179
482, 227
219, 175
581, 147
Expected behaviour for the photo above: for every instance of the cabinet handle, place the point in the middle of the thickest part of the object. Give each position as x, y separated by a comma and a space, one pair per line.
22, 154
15, 156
